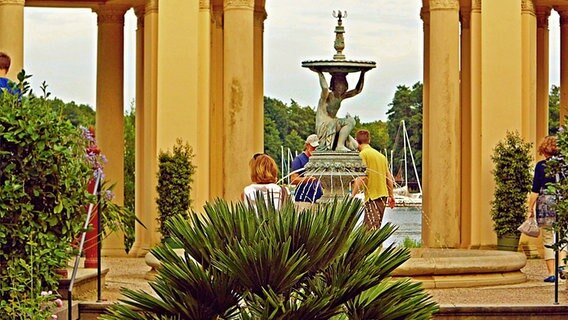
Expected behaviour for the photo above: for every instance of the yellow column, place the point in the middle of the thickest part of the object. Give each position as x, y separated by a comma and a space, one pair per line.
12, 34
442, 220
147, 212
501, 106
528, 21
563, 11
201, 186
466, 111
216, 129
238, 95
140, 153
179, 102
110, 109
542, 72
475, 94
259, 17
425, 16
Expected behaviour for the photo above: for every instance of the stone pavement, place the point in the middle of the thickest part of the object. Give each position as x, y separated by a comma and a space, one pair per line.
130, 272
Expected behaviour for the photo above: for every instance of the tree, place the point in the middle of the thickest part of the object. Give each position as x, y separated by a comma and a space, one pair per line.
379, 133
129, 170
553, 109
407, 105
44, 172
175, 175
286, 126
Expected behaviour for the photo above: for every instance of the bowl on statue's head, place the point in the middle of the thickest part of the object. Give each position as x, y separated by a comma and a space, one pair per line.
339, 66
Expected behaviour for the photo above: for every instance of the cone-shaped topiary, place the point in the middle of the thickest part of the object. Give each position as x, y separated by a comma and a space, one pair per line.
513, 179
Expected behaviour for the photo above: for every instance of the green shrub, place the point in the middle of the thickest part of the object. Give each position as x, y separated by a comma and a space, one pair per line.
513, 180
175, 171
247, 263
43, 183
411, 243
558, 165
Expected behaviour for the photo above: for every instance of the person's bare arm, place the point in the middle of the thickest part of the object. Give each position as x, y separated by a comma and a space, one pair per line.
358, 88
531, 203
358, 184
390, 188
297, 179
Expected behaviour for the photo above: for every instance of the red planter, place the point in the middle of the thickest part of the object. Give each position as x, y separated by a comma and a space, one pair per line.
91, 241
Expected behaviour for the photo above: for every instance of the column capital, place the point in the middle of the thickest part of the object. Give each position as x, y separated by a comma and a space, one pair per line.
151, 6
140, 11
204, 4
110, 15
476, 5
527, 6
425, 15
542, 14
563, 13
465, 17
444, 5
12, 2
217, 17
260, 15
238, 4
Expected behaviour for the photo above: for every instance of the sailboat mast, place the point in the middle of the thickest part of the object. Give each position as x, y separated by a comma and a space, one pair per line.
405, 160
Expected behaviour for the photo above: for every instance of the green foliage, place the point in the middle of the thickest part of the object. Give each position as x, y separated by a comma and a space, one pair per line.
512, 176
247, 263
43, 182
78, 115
286, 126
129, 179
379, 133
554, 109
175, 171
411, 243
407, 105
558, 165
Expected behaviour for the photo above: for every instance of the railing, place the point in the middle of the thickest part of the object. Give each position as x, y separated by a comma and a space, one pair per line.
81, 244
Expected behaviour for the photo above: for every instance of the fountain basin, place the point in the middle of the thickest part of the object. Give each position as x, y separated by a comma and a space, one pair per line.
460, 268
339, 66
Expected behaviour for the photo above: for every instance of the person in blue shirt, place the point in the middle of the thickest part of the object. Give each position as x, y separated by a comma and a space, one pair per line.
308, 189
5, 62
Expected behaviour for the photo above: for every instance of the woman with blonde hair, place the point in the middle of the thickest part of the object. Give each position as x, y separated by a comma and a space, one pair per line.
542, 202
264, 174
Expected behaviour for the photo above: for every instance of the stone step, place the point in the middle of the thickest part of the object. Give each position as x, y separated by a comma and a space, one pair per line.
91, 311
521, 312
63, 312
85, 282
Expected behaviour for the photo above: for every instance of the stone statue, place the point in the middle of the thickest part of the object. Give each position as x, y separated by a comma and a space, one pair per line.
334, 132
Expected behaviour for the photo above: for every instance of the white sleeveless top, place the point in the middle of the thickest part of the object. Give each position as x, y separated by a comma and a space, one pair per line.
270, 191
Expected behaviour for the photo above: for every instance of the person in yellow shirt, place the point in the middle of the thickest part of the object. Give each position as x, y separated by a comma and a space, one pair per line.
377, 184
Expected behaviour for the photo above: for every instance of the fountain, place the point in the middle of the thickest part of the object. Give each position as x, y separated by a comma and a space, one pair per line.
336, 163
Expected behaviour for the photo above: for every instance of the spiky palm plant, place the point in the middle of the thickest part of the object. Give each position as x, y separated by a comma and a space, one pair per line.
242, 263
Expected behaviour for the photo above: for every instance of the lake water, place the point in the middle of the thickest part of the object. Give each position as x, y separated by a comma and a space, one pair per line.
409, 222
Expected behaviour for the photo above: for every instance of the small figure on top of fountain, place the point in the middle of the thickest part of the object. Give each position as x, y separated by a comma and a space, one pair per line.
332, 131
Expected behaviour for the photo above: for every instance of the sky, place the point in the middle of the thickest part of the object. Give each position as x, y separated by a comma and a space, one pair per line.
60, 48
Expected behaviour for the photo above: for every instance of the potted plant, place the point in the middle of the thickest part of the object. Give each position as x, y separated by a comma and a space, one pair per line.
261, 263
175, 171
513, 178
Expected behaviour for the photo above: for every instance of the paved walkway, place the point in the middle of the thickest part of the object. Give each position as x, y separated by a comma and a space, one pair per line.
129, 272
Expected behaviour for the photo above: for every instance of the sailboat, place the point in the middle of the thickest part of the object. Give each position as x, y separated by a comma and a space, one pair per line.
403, 196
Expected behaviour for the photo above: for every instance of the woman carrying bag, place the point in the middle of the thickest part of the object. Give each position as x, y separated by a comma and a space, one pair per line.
542, 202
